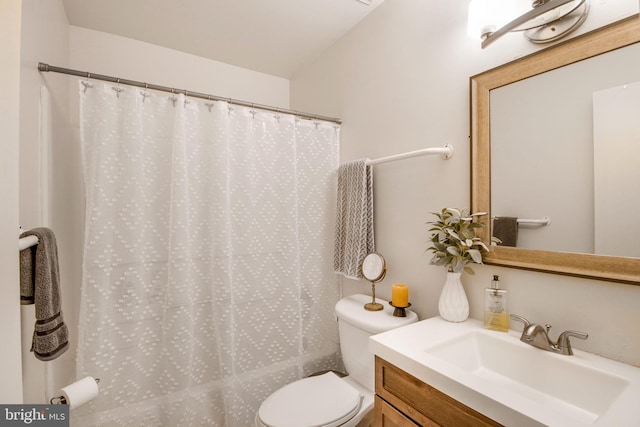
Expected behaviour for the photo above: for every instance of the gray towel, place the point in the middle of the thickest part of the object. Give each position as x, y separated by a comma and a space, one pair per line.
505, 228
40, 283
27, 281
354, 218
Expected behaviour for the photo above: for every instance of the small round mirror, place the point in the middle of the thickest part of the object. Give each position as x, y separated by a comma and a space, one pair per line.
374, 268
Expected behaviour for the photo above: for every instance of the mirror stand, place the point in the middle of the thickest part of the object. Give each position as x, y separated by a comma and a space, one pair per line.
373, 305
374, 269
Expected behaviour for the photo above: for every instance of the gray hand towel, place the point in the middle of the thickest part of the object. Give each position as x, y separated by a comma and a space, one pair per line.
40, 283
505, 228
354, 218
27, 281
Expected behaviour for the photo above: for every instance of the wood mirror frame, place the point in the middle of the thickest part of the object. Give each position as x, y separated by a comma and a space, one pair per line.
606, 39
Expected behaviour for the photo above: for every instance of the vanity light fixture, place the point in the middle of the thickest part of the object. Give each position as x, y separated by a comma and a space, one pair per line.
541, 21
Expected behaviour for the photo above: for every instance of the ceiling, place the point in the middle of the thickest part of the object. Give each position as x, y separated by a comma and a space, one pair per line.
270, 36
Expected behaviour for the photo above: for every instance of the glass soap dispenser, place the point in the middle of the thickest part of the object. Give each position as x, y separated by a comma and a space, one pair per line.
496, 313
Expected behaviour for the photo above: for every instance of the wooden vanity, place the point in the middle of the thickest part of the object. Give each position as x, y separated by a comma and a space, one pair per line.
403, 400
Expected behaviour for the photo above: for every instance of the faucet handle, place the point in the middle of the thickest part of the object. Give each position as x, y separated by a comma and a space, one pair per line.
564, 344
521, 319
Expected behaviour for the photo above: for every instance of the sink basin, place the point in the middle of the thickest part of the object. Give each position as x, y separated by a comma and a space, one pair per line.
510, 381
554, 381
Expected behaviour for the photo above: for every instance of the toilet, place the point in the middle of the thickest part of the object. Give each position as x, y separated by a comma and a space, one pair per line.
328, 400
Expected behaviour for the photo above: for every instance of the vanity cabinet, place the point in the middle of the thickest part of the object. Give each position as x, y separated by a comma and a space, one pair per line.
403, 400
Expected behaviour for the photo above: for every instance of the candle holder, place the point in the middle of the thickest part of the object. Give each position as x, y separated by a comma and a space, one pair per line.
400, 311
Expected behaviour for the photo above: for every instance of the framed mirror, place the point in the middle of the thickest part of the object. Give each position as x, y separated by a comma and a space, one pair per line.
490, 142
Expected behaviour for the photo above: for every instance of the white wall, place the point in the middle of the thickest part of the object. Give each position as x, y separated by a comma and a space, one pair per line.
10, 361
400, 81
47, 190
117, 56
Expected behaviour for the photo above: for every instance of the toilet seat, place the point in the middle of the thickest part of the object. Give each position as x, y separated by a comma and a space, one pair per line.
324, 400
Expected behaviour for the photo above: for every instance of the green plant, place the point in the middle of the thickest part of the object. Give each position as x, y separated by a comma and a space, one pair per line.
454, 240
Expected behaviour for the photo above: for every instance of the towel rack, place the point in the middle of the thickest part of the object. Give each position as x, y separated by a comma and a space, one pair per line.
544, 221
446, 152
26, 242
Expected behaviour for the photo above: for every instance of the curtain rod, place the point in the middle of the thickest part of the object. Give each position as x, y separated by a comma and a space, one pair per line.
50, 68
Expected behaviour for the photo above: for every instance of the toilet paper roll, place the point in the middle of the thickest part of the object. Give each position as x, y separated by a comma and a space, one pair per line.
80, 392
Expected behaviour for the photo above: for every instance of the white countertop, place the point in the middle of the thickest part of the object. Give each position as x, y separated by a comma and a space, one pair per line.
413, 348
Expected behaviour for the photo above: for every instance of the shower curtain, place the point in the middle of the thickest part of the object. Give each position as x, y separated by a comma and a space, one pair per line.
207, 273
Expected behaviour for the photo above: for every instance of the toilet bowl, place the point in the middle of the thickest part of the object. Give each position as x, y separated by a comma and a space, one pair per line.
323, 400
328, 400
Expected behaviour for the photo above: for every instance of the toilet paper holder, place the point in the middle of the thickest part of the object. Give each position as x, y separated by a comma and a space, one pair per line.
60, 400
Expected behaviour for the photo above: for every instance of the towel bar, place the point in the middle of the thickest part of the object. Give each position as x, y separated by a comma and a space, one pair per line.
522, 221
446, 152
27, 242
544, 221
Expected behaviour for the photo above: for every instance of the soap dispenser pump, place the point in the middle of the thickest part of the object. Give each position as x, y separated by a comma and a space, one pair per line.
496, 313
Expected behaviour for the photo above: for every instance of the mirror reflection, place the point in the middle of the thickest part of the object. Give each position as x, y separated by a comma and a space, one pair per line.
561, 148
616, 172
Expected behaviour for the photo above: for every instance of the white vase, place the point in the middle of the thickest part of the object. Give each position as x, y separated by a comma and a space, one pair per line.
453, 305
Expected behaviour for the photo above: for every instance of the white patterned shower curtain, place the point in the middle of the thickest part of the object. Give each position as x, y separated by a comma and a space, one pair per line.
208, 278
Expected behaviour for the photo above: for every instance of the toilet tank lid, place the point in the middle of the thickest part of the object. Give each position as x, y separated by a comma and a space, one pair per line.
351, 310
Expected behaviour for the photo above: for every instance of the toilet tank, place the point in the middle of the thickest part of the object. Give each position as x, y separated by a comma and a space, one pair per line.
356, 325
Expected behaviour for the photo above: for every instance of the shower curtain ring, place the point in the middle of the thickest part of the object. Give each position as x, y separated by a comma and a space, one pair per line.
209, 103
86, 83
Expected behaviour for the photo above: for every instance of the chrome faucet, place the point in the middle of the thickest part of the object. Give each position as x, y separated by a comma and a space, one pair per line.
538, 336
